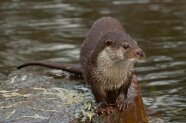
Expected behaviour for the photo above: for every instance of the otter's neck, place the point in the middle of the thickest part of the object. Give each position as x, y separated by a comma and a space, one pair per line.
112, 72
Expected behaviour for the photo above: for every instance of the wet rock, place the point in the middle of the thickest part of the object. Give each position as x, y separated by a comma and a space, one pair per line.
31, 97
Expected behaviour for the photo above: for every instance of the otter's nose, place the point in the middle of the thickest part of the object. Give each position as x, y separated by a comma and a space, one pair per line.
140, 53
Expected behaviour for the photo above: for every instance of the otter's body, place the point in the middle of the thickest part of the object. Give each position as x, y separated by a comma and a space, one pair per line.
106, 64
106, 61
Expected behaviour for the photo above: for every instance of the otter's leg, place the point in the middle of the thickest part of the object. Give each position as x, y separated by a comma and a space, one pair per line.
101, 98
121, 101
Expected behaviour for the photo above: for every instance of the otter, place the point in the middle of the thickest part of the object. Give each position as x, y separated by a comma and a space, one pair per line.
107, 59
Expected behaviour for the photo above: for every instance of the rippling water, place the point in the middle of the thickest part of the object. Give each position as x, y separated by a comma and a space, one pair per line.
54, 30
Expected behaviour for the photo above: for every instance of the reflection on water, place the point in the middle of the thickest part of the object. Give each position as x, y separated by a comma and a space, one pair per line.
45, 30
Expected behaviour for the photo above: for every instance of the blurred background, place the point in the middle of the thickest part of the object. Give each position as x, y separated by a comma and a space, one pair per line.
53, 30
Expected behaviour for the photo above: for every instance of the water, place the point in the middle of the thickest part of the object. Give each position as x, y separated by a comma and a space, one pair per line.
54, 31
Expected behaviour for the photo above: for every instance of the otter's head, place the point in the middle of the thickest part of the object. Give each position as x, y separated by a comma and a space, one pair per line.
119, 47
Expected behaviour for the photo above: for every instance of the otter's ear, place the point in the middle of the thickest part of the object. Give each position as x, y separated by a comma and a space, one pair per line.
108, 42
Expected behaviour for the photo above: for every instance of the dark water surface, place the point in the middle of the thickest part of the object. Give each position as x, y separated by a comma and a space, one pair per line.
54, 30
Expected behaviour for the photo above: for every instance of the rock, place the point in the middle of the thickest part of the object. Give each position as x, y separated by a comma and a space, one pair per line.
31, 97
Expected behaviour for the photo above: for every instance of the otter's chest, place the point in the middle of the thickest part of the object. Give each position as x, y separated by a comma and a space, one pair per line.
112, 78
112, 70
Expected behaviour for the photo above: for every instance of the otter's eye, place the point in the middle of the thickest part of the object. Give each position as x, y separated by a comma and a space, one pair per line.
108, 42
125, 46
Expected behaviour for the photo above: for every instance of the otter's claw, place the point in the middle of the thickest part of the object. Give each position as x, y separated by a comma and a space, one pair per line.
103, 108
121, 102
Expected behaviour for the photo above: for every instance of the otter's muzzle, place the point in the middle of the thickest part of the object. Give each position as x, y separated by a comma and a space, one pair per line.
140, 54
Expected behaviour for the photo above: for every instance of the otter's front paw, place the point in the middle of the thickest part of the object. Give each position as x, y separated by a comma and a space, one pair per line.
122, 102
103, 108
